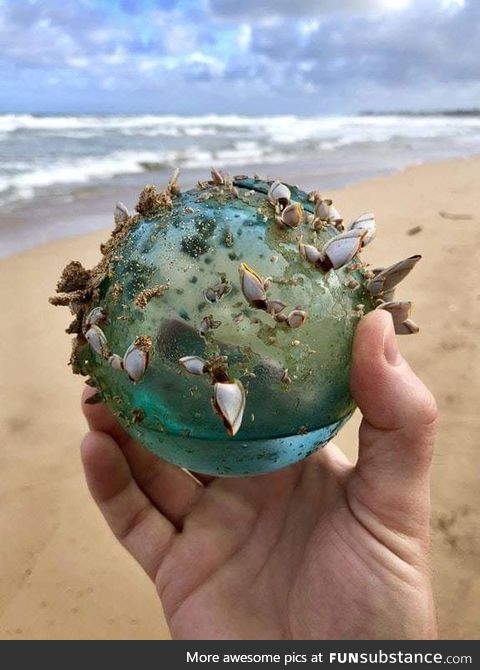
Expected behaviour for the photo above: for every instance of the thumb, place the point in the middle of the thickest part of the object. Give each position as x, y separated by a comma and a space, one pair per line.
396, 436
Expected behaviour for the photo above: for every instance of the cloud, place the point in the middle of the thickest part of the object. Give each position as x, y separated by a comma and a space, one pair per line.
307, 56
421, 46
256, 9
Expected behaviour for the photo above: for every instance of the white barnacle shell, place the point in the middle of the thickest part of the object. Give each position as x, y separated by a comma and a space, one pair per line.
96, 316
121, 213
253, 286
193, 364
292, 215
97, 340
365, 222
229, 403
115, 361
343, 247
388, 278
279, 193
296, 318
309, 252
334, 215
322, 209
135, 362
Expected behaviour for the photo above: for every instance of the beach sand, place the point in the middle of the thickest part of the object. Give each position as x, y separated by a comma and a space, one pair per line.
62, 575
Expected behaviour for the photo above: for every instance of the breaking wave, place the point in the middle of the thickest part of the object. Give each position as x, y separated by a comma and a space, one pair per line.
50, 152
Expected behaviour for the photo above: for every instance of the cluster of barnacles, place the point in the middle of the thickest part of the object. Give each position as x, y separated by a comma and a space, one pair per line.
229, 395
325, 213
254, 289
136, 358
288, 214
220, 179
228, 400
382, 287
340, 250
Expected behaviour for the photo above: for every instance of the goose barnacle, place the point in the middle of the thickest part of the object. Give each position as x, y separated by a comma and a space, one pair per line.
408, 327
334, 216
253, 286
325, 211
279, 194
401, 312
314, 196
275, 306
217, 292
322, 209
121, 213
217, 177
208, 323
387, 279
96, 316
193, 364
296, 318
115, 362
136, 358
341, 249
387, 296
365, 222
291, 216
309, 252
97, 340
229, 403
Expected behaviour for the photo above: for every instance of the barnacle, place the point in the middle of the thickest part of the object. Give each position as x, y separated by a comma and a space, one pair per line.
218, 325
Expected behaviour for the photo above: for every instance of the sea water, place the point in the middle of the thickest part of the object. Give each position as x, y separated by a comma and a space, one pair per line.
54, 159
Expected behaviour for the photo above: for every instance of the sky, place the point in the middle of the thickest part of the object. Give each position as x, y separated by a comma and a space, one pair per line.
238, 56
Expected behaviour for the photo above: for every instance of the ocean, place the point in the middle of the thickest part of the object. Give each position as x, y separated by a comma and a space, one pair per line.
48, 160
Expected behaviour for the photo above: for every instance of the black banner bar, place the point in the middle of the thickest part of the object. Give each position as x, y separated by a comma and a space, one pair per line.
206, 655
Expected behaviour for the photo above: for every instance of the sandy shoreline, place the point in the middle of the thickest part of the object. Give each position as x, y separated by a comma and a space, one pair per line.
60, 570
85, 209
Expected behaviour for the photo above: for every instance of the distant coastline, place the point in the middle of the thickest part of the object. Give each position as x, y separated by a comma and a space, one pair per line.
474, 111
445, 112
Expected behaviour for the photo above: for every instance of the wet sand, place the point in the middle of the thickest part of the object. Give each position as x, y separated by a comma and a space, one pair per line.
62, 576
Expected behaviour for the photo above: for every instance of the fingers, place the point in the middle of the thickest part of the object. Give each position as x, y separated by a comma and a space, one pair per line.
136, 523
171, 490
99, 418
399, 414
333, 459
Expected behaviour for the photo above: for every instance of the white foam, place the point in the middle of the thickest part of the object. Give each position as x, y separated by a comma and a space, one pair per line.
98, 144
25, 184
78, 171
285, 128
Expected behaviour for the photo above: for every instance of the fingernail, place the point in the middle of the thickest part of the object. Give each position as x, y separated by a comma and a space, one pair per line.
390, 347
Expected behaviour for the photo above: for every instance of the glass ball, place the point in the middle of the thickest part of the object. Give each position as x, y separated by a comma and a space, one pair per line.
217, 338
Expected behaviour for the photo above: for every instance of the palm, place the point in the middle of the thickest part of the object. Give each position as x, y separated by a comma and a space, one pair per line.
293, 548
320, 550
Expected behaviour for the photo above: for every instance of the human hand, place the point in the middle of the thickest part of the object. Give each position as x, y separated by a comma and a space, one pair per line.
320, 550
